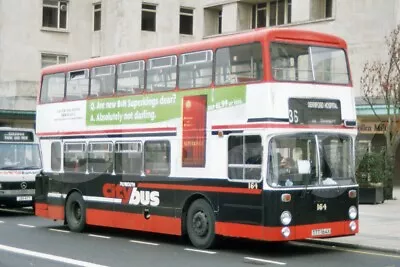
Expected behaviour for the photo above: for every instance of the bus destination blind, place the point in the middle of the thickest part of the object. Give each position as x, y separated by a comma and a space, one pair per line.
314, 111
16, 136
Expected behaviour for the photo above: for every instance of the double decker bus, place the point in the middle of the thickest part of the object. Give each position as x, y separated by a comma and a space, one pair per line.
249, 135
20, 162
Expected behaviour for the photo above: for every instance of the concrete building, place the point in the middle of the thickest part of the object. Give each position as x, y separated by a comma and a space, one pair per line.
39, 33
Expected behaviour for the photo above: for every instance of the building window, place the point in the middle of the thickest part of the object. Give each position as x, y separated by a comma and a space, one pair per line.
271, 13
97, 17
53, 59
220, 22
321, 9
55, 14
186, 21
149, 17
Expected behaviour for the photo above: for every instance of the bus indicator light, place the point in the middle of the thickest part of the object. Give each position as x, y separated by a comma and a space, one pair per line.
286, 197
352, 194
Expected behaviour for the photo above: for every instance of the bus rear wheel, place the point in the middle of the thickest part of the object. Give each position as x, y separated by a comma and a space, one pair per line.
75, 212
200, 222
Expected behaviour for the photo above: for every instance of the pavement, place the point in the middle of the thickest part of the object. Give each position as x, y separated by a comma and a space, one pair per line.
379, 228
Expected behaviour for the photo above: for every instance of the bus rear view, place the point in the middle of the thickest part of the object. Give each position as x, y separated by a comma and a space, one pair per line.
20, 162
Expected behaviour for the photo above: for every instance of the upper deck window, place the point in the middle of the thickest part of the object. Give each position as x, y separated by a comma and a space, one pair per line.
102, 82
305, 63
77, 85
52, 88
238, 64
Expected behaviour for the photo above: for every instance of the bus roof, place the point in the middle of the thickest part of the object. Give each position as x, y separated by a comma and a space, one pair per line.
277, 34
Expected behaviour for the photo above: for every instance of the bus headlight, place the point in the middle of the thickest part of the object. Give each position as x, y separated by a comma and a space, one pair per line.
352, 212
286, 218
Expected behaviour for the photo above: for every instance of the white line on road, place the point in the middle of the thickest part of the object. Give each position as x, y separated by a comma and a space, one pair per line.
26, 225
200, 251
49, 257
143, 243
100, 236
1, 222
264, 261
58, 230
17, 211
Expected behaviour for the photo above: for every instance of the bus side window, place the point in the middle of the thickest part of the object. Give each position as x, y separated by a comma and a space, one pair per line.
244, 157
195, 69
128, 158
131, 77
102, 81
161, 74
77, 85
56, 156
75, 157
239, 64
157, 158
52, 88
100, 157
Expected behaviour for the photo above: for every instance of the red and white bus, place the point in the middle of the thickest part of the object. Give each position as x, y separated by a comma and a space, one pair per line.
249, 135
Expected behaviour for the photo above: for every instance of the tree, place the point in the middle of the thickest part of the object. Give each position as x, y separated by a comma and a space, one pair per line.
380, 83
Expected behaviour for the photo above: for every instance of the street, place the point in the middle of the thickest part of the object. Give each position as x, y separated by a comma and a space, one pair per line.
27, 240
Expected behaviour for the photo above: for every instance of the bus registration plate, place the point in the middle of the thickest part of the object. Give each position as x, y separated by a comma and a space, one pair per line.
320, 232
24, 198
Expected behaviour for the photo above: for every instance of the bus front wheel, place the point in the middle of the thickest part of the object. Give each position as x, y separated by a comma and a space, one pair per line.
201, 224
75, 212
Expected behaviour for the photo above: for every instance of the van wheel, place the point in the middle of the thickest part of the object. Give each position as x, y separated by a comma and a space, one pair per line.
200, 222
75, 212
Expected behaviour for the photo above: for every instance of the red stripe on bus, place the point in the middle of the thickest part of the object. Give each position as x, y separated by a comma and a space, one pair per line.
274, 233
172, 225
134, 221
55, 212
276, 125
112, 131
201, 188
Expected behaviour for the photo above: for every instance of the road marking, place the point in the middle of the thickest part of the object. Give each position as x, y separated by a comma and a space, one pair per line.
49, 257
1, 222
100, 236
200, 251
17, 211
58, 230
143, 243
264, 261
26, 225
366, 251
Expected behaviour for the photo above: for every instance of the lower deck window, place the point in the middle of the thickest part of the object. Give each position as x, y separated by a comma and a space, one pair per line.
128, 158
157, 157
75, 157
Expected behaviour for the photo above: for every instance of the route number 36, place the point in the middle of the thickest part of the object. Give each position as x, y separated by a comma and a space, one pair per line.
321, 206
293, 116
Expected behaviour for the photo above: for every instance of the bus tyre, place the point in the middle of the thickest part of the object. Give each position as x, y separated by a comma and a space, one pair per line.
200, 222
75, 212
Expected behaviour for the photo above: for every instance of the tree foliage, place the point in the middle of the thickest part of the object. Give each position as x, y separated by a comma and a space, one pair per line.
380, 85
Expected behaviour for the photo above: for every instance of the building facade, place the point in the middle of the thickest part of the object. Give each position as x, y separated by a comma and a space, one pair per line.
46, 32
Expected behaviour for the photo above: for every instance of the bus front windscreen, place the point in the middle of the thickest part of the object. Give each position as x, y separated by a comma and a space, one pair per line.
307, 63
310, 160
19, 156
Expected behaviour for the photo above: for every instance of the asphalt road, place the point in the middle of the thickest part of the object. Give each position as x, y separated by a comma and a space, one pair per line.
26, 240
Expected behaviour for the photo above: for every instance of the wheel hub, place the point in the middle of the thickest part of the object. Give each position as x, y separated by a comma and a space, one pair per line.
200, 223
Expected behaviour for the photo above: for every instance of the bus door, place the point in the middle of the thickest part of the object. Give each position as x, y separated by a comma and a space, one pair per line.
245, 158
